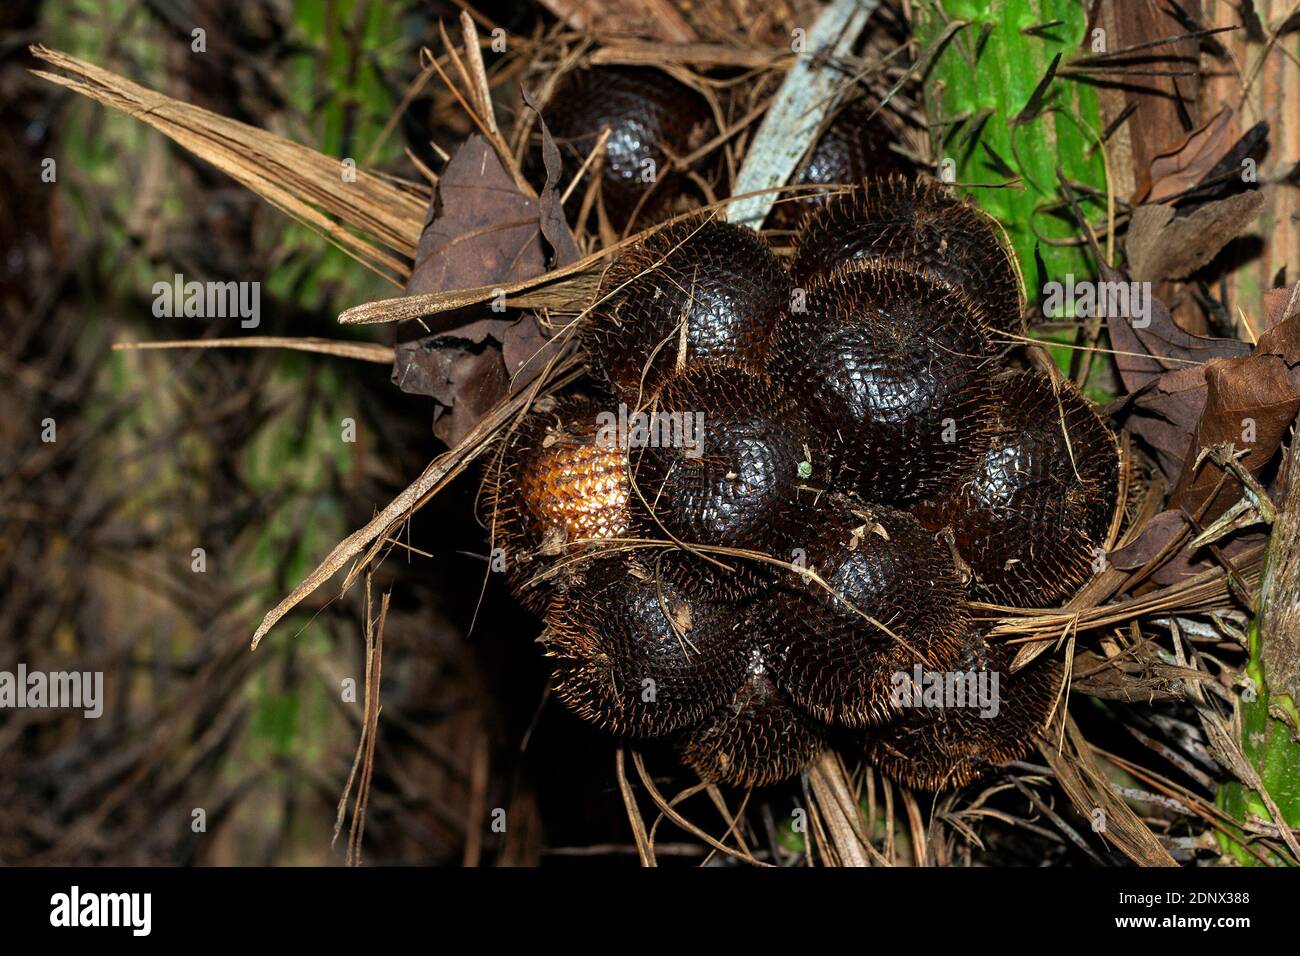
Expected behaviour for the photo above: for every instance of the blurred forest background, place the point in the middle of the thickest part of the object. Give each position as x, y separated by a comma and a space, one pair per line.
264, 458
240, 452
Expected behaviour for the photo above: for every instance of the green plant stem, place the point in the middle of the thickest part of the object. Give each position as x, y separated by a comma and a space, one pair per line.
1001, 136
1268, 713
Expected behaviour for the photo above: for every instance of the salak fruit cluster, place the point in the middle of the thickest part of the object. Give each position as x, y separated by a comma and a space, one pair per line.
761, 528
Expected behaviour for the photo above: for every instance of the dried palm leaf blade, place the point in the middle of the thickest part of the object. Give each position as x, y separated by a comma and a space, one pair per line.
639, 657
370, 220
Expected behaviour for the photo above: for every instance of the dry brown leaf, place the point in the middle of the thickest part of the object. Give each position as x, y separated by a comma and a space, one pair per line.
1163, 413
555, 228
1163, 246
1281, 304
1250, 404
1153, 539
480, 229
1162, 367
1178, 169
1182, 562
1225, 179
1143, 352
465, 381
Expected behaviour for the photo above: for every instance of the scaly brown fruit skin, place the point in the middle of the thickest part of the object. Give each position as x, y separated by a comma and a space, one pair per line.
921, 225
934, 749
1031, 518
895, 600
722, 577
717, 283
649, 115
754, 740
638, 656
898, 374
742, 487
552, 484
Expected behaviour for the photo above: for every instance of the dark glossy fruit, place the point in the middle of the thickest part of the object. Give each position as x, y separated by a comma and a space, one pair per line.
921, 225
894, 601
638, 656
855, 146
934, 748
649, 115
898, 373
553, 483
717, 284
742, 484
849, 449
755, 739
1031, 517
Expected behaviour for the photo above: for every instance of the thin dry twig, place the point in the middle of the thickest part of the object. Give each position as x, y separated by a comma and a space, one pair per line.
362, 351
